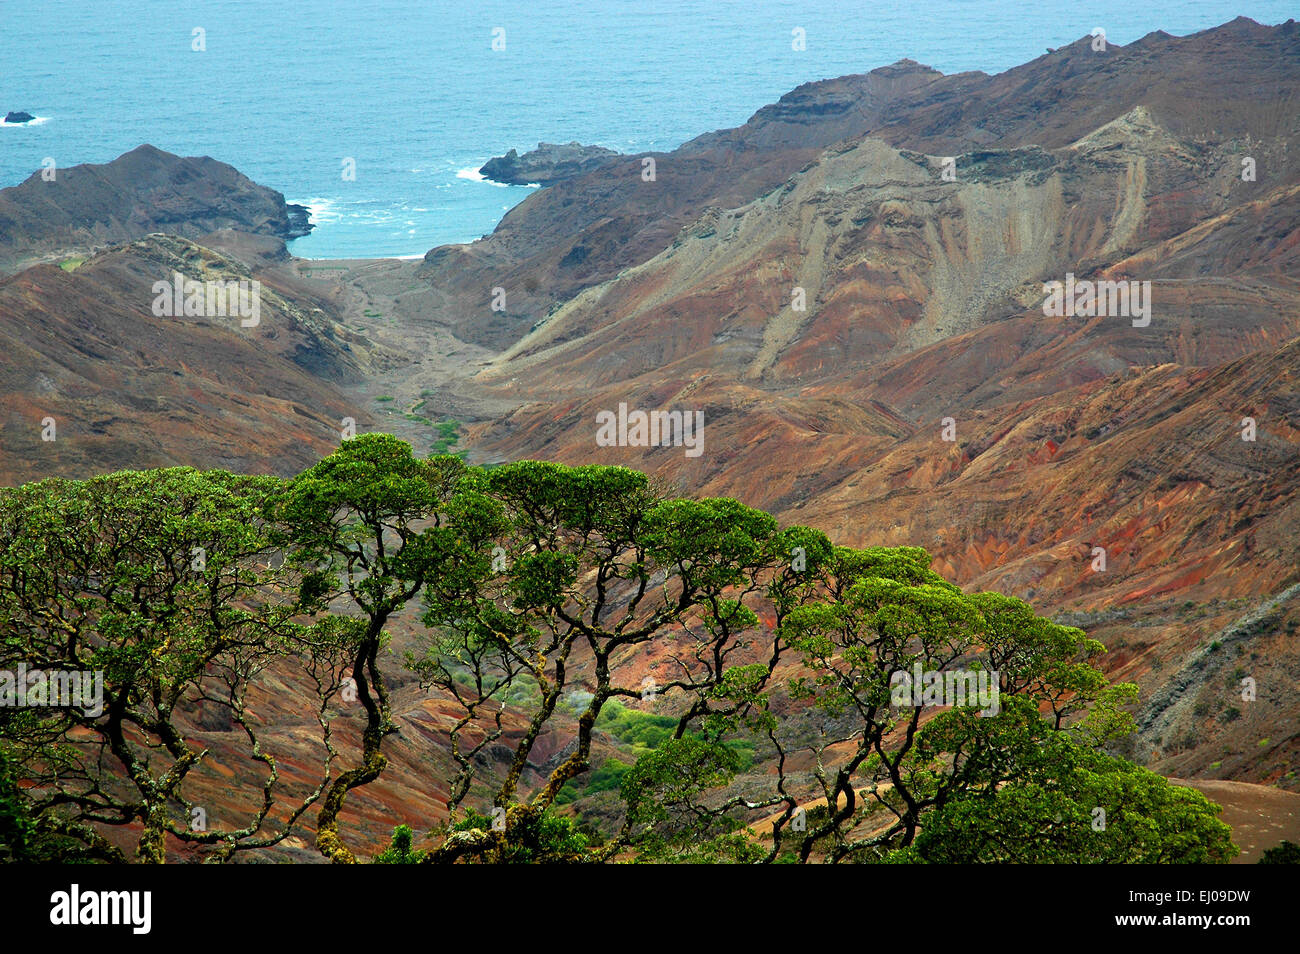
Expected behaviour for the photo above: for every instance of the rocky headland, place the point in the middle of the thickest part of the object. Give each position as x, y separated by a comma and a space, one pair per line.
547, 164
59, 212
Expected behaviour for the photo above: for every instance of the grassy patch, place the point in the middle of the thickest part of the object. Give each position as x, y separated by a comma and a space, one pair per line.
448, 432
71, 264
607, 778
448, 435
642, 733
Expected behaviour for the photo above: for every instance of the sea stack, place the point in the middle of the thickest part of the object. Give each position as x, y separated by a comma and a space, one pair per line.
548, 163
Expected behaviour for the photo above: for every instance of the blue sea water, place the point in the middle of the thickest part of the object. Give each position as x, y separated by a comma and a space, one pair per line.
414, 93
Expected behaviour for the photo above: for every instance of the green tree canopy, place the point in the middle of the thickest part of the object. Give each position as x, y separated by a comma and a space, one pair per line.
751, 692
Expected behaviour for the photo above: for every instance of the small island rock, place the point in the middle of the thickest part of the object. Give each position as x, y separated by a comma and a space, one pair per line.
549, 162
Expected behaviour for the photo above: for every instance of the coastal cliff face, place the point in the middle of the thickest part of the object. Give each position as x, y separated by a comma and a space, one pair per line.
584, 231
63, 212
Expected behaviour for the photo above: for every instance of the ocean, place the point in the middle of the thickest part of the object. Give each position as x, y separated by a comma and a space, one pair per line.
417, 97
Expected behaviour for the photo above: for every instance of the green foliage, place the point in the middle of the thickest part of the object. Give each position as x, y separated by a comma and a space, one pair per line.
24, 840
448, 434
376, 525
148, 569
666, 790
340, 512
539, 583
643, 730
733, 848
711, 543
399, 850
17, 830
607, 778
165, 585
1071, 804
1286, 853
531, 837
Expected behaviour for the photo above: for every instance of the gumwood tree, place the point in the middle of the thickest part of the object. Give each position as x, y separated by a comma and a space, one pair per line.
1068, 804
550, 595
872, 772
161, 584
897, 616
369, 526
592, 566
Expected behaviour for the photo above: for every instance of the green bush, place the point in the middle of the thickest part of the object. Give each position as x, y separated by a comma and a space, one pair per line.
1287, 853
399, 850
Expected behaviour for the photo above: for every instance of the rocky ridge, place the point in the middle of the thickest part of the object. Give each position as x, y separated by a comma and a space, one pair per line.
57, 213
